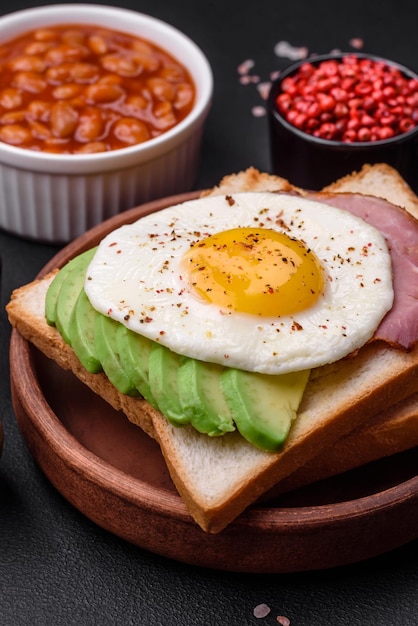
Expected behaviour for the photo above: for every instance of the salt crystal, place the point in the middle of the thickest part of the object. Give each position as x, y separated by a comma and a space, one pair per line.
357, 43
245, 66
258, 111
262, 610
264, 90
285, 49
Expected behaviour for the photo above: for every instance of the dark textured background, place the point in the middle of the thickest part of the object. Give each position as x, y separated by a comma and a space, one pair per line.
56, 567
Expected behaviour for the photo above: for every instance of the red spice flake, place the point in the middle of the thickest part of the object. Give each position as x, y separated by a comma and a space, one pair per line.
114, 243
230, 200
146, 320
282, 224
261, 610
109, 311
162, 332
296, 326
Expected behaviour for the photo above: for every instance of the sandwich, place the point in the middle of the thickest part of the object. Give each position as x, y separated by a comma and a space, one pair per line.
264, 335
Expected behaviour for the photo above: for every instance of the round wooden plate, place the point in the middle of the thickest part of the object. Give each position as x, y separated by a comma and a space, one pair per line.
115, 475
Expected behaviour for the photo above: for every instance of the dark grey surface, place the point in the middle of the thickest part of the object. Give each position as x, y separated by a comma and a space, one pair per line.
56, 567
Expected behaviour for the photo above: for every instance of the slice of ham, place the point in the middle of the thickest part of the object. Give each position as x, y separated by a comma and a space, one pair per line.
399, 327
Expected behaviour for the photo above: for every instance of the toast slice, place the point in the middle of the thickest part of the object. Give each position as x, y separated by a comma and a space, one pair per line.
219, 477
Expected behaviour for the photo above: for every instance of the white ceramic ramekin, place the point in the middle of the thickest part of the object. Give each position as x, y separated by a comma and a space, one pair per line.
54, 197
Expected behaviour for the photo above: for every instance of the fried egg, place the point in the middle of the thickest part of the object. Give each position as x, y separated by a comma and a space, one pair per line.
263, 282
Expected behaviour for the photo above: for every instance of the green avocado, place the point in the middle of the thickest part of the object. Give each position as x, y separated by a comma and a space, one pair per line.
72, 284
134, 353
263, 406
105, 329
54, 290
163, 367
202, 399
81, 330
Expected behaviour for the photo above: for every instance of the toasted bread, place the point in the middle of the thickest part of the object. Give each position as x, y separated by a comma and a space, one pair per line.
219, 477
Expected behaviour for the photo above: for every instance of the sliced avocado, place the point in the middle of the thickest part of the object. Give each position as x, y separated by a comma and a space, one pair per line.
202, 399
105, 329
134, 353
163, 368
81, 330
54, 289
70, 289
263, 406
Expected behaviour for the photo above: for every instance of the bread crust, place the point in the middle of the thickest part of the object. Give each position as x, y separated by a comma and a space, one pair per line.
362, 393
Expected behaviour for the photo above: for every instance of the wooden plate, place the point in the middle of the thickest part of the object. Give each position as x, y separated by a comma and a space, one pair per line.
115, 475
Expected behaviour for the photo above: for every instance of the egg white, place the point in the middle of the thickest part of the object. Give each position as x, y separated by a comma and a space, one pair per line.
136, 278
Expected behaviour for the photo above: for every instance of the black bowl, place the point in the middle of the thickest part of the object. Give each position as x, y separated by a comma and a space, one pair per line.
312, 163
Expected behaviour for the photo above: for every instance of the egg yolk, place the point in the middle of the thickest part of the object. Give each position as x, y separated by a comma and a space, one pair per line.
254, 270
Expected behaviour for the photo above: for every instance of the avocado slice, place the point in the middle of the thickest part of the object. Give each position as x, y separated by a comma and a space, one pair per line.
105, 329
202, 399
163, 367
263, 406
81, 330
134, 353
70, 289
54, 290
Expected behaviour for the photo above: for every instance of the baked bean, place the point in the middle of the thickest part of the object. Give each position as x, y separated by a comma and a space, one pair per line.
73, 36
129, 130
184, 96
164, 115
136, 105
161, 89
61, 54
28, 81
27, 63
146, 62
15, 134
38, 47
102, 92
90, 127
172, 73
10, 98
64, 120
97, 45
65, 92
39, 110
84, 72
45, 34
80, 88
59, 74
93, 147
142, 46
39, 130
72, 72
111, 79
13, 117
122, 65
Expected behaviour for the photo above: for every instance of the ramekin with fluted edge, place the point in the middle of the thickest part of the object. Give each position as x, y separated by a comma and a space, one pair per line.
56, 197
